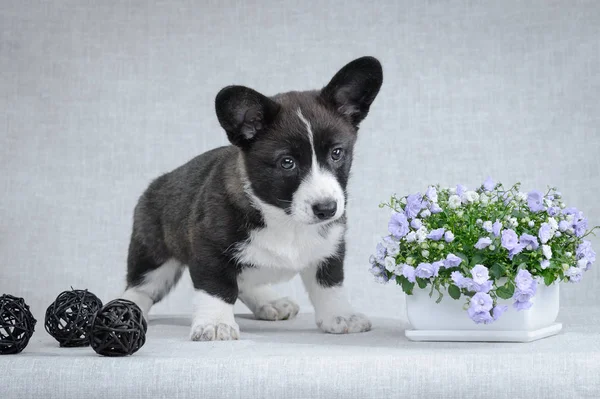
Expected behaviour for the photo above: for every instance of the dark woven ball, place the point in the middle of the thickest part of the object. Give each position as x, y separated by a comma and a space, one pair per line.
68, 317
118, 329
17, 324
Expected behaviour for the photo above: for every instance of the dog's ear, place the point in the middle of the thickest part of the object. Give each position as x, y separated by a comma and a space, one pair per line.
244, 113
354, 88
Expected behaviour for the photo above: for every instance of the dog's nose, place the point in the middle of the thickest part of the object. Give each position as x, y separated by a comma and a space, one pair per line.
325, 210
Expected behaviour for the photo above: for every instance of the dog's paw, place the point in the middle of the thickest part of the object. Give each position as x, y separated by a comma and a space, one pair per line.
279, 309
214, 332
347, 324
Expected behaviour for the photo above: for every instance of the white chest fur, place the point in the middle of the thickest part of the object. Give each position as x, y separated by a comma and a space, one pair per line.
283, 249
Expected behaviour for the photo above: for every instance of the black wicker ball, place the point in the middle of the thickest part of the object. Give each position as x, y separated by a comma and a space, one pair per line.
118, 329
68, 317
17, 324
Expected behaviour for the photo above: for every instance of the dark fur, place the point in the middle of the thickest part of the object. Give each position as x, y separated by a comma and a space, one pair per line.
198, 212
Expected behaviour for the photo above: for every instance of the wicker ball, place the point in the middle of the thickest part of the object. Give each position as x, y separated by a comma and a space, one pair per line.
68, 317
17, 324
118, 329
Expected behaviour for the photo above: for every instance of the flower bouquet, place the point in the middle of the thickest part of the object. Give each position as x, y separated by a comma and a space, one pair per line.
489, 249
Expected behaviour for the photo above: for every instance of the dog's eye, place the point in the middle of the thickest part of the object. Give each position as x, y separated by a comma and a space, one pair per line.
288, 163
337, 154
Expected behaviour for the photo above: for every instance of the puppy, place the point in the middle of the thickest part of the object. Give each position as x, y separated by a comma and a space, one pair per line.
259, 211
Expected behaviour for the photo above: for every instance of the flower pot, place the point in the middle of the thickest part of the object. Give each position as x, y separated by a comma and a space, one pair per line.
448, 321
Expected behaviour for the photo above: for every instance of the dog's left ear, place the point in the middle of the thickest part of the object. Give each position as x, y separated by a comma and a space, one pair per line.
354, 88
244, 113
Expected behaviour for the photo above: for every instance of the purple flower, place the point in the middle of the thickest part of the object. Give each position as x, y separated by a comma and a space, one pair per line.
416, 224
398, 225
426, 270
480, 317
488, 184
563, 225
376, 270
496, 227
585, 251
409, 273
509, 239
481, 302
449, 236
498, 311
414, 204
570, 211
522, 305
452, 261
535, 201
480, 274
380, 252
553, 210
471, 286
574, 274
516, 250
544, 264
457, 278
545, 233
528, 239
523, 279
435, 208
487, 226
436, 234
580, 226
483, 242
460, 190
431, 193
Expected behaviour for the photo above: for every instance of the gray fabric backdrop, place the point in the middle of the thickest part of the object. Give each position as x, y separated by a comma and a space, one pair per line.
99, 97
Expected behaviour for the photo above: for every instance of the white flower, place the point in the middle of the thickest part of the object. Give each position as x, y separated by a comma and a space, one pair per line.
479, 222
568, 254
531, 223
424, 245
562, 205
403, 201
471, 196
487, 226
426, 213
571, 230
425, 253
390, 263
582, 263
522, 197
557, 234
452, 190
492, 247
460, 214
441, 246
410, 237
421, 234
547, 251
484, 199
553, 223
570, 218
513, 222
454, 201
410, 261
392, 247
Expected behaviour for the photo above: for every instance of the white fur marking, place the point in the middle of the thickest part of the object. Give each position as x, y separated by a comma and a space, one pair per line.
333, 312
320, 185
213, 319
154, 285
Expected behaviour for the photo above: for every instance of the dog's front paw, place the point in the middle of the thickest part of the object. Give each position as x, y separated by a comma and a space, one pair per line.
214, 332
279, 309
347, 324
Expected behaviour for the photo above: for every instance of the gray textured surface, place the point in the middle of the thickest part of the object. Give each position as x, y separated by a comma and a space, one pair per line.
99, 97
292, 359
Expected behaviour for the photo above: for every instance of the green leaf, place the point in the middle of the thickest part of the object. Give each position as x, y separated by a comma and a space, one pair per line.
497, 270
506, 291
463, 257
421, 283
407, 286
454, 291
477, 259
549, 276
440, 297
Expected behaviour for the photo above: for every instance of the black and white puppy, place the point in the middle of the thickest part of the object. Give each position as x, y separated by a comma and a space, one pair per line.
260, 211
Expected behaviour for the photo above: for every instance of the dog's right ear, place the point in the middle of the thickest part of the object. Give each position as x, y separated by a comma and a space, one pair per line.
244, 113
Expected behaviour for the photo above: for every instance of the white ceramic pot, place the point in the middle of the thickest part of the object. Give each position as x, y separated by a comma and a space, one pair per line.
448, 321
